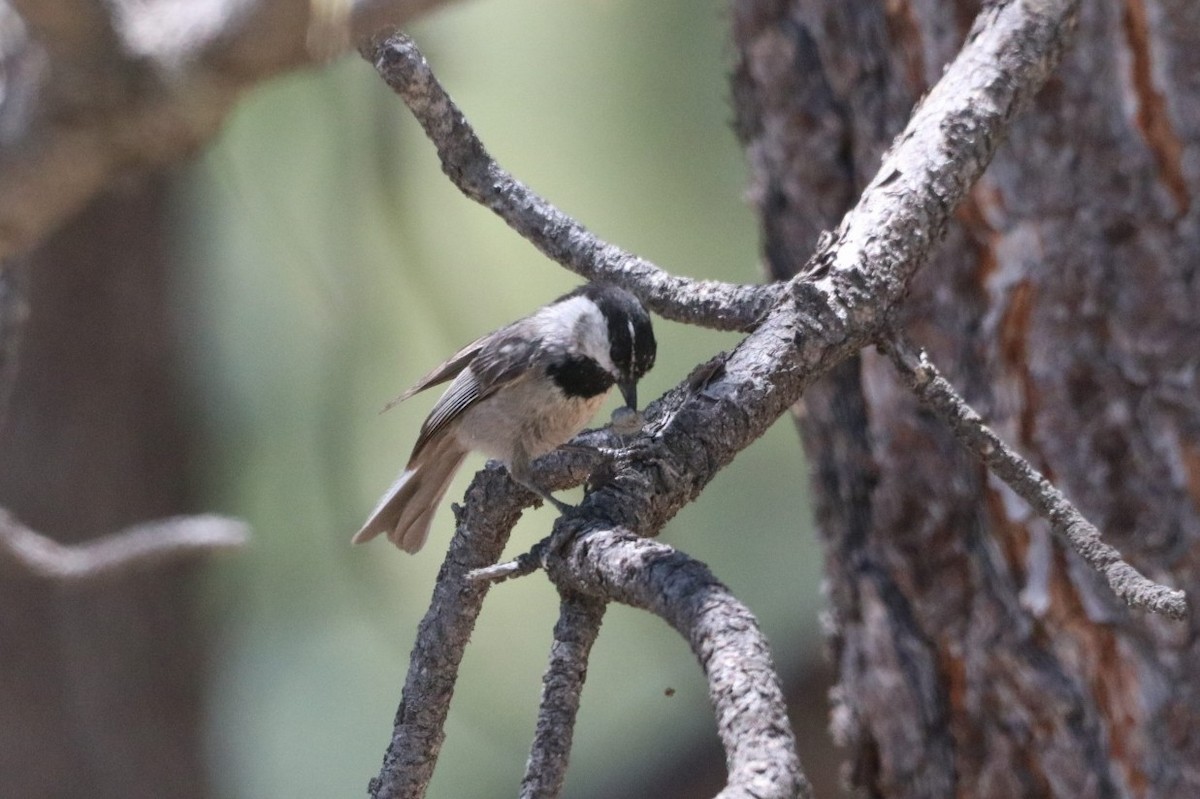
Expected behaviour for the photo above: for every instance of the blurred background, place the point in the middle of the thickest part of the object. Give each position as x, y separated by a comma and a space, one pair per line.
326, 264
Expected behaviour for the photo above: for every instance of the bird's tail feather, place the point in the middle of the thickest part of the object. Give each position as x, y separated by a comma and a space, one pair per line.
407, 509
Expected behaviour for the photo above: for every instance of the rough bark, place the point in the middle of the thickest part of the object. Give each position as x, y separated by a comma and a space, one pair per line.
976, 656
760, 749
579, 619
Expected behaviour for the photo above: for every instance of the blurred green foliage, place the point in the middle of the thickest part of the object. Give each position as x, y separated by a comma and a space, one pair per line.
330, 264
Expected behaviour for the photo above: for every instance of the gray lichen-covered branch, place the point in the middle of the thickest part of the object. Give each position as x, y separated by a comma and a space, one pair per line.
483, 524
842, 303
924, 379
466, 162
493, 505
760, 750
578, 625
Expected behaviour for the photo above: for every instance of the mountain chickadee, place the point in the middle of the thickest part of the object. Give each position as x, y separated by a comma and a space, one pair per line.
518, 392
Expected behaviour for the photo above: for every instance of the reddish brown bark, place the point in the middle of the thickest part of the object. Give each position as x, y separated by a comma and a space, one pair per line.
976, 657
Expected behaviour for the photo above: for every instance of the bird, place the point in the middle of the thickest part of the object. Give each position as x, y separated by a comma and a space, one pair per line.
515, 394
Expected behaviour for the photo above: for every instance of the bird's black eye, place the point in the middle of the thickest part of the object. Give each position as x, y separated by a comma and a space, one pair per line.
621, 342
631, 339
630, 335
644, 346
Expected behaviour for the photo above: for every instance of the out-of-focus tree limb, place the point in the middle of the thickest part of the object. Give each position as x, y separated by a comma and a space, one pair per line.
95, 90
144, 546
14, 311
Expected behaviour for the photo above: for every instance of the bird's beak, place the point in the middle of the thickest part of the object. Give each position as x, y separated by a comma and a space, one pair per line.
629, 392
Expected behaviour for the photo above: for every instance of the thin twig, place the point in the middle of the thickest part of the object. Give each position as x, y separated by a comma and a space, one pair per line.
924, 379
725, 306
576, 630
760, 749
524, 564
137, 548
527, 562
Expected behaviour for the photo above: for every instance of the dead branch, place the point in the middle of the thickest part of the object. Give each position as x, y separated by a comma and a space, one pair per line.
576, 630
466, 162
493, 505
760, 750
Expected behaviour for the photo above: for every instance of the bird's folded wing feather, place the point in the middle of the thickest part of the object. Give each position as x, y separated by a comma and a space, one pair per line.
503, 358
447, 370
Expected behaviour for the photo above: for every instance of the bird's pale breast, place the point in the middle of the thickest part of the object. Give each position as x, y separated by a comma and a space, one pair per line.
491, 426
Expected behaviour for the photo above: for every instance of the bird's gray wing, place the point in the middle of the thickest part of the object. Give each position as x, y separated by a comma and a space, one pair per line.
447, 370
503, 357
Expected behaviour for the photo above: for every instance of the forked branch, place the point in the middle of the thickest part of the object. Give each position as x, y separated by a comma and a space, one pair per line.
760, 749
483, 524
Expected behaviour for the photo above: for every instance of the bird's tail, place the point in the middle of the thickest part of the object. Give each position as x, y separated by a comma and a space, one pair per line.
406, 510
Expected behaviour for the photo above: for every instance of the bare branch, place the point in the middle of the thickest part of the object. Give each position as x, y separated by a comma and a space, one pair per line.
947, 143
144, 546
861, 273
466, 162
924, 379
576, 630
760, 750
857, 278
524, 564
493, 505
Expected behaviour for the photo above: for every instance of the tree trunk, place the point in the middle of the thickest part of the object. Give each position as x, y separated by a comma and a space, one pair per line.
99, 684
977, 657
